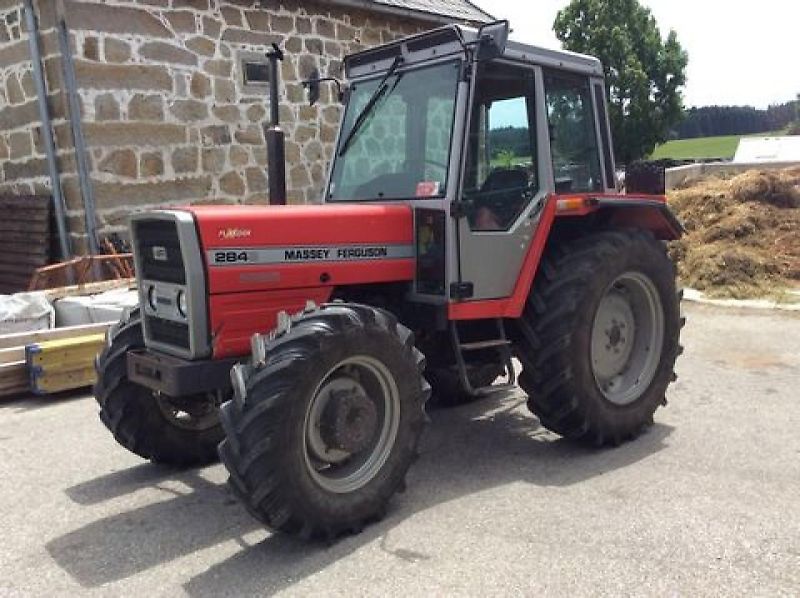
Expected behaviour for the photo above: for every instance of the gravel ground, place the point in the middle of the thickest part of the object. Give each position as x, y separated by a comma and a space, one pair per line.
706, 503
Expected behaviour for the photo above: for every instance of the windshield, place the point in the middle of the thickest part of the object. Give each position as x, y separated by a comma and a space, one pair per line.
402, 148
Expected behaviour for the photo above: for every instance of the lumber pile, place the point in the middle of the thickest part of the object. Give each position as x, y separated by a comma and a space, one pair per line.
57, 359
48, 361
63, 364
24, 239
13, 378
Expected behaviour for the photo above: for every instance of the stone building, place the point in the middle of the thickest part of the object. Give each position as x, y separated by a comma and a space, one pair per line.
169, 98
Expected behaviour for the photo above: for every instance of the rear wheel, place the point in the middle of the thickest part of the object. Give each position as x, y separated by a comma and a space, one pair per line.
600, 336
326, 420
174, 430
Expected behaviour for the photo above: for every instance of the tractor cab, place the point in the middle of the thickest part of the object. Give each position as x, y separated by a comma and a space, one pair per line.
475, 133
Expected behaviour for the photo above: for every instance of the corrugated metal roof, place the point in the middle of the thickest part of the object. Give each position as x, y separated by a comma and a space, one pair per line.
460, 10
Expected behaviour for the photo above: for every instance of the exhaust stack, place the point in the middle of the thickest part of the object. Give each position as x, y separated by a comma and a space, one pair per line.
276, 151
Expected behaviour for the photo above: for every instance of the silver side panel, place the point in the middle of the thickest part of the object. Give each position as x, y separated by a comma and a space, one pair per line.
492, 260
195, 288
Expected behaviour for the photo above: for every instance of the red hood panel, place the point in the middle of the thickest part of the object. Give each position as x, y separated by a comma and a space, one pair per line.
283, 247
302, 225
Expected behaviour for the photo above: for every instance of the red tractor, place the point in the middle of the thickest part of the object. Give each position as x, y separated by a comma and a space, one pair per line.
470, 217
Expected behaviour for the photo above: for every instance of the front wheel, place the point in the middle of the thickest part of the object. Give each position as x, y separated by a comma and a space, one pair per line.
326, 420
179, 431
600, 336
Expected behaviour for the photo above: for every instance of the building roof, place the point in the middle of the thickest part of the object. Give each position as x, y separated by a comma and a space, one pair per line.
462, 10
441, 11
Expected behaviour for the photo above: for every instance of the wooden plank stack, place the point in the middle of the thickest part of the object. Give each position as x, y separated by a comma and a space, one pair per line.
13, 378
63, 364
24, 239
48, 361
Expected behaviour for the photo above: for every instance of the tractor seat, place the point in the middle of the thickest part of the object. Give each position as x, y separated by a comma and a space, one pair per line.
499, 199
505, 179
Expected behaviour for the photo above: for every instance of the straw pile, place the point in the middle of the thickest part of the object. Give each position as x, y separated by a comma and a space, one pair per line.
742, 233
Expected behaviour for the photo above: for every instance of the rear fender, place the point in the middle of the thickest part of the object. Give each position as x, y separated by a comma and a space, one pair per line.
648, 212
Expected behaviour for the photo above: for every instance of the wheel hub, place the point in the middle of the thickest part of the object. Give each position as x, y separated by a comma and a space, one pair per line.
349, 420
615, 327
351, 424
627, 335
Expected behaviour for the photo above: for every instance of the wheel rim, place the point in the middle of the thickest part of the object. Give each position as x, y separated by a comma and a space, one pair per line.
351, 424
627, 338
194, 412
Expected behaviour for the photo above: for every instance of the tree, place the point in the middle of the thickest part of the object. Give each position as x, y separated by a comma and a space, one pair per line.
644, 73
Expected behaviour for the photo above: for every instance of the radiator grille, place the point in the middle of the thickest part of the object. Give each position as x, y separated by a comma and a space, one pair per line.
159, 251
168, 332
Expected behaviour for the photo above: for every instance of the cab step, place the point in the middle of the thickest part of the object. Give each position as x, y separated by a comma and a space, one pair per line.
501, 344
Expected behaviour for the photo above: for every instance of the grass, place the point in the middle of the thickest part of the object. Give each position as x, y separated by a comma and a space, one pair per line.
701, 147
515, 161
704, 147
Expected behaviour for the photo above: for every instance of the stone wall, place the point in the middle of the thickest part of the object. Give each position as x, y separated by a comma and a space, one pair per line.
19, 116
166, 117
23, 165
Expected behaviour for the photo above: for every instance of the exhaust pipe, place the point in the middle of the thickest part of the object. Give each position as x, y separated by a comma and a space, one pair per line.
276, 149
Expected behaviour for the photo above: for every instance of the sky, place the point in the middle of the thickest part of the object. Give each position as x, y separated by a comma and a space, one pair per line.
740, 53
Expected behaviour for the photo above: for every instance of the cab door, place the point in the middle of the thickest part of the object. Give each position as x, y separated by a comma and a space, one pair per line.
504, 181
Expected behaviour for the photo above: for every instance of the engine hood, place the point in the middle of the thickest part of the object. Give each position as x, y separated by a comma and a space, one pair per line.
253, 248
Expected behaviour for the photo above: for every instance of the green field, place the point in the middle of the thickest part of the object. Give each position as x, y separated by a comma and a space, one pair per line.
702, 147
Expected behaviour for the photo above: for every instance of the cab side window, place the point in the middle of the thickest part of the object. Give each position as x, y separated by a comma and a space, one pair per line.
573, 134
500, 177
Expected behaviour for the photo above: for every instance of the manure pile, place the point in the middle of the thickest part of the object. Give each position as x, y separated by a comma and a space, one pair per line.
742, 233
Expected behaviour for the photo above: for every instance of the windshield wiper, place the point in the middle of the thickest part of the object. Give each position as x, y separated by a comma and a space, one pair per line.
379, 92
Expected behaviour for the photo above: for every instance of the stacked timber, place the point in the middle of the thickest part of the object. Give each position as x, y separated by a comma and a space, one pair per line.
13, 372
56, 359
47, 361
24, 239
63, 364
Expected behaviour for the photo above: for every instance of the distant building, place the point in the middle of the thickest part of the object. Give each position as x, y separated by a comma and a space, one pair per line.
172, 96
768, 149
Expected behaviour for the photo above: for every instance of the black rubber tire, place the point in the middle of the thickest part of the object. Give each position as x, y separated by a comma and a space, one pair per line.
131, 413
555, 331
447, 389
264, 444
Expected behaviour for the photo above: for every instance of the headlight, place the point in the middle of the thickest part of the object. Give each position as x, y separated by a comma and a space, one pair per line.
183, 305
151, 298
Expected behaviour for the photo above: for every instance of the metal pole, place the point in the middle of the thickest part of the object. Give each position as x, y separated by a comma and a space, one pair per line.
47, 131
73, 106
276, 151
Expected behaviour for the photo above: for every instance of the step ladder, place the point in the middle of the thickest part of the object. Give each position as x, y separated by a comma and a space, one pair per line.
501, 344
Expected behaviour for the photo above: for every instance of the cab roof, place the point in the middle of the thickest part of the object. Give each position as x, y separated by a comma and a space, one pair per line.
453, 40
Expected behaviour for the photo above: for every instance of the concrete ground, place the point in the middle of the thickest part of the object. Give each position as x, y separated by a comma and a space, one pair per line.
706, 503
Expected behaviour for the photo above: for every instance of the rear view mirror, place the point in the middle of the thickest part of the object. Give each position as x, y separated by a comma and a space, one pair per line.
312, 87
492, 39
